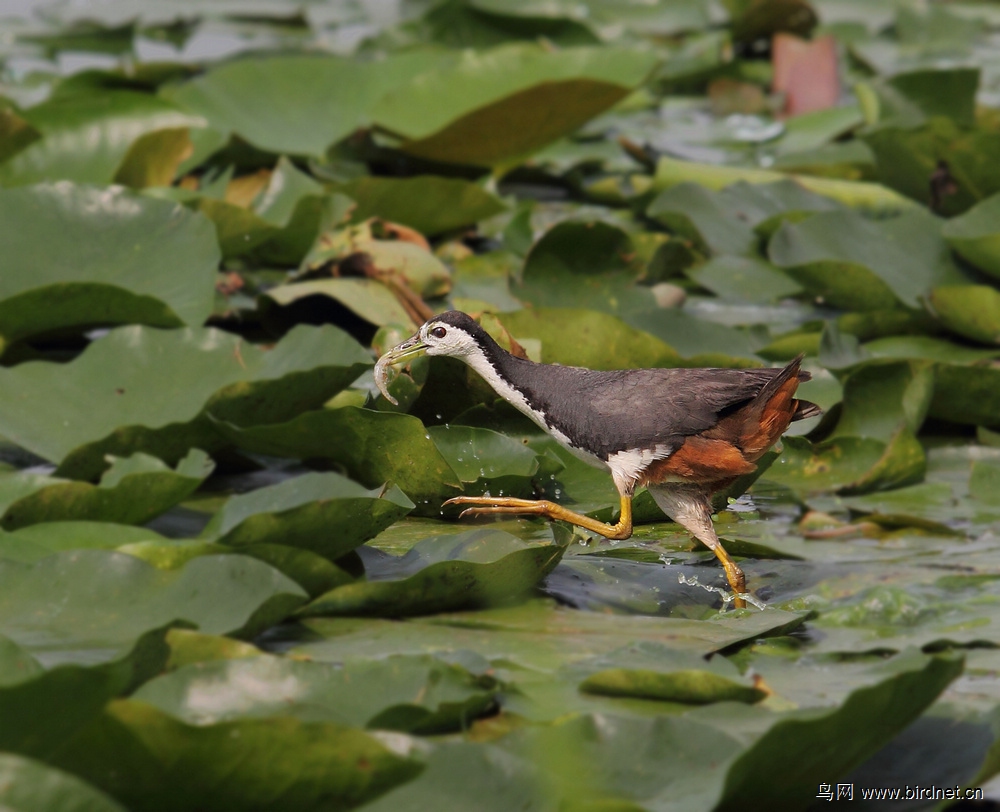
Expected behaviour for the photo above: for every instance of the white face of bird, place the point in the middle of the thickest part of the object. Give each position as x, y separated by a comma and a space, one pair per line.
446, 339
434, 338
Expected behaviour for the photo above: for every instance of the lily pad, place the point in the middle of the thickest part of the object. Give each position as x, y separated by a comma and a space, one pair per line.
583, 264
421, 694
429, 203
969, 395
484, 109
373, 447
442, 573
41, 540
587, 338
851, 465
745, 278
42, 709
325, 513
488, 457
131, 491
976, 236
102, 602
859, 264
972, 311
252, 764
80, 257
691, 687
86, 136
150, 390
294, 104
279, 225
30, 786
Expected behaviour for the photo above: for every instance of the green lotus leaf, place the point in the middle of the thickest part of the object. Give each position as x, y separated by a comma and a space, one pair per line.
147, 390
909, 99
972, 311
32, 786
907, 158
880, 397
132, 491
295, 104
419, 694
587, 338
42, 708
149, 760
969, 395
493, 107
81, 256
539, 636
746, 278
848, 464
86, 136
281, 225
499, 462
41, 540
101, 602
443, 573
859, 264
325, 513
314, 573
463, 775
188, 647
691, 686
976, 236
718, 753
373, 447
583, 265
429, 203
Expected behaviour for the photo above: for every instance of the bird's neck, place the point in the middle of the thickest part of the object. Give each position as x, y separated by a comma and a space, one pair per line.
504, 373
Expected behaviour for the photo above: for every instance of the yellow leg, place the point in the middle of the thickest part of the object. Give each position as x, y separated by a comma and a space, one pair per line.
483, 505
690, 508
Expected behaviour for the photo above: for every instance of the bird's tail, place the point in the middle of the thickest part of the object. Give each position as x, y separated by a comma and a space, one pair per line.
774, 407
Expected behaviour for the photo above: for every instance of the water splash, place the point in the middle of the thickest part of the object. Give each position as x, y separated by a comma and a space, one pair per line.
727, 597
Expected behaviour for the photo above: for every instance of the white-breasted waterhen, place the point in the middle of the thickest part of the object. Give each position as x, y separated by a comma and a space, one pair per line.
683, 433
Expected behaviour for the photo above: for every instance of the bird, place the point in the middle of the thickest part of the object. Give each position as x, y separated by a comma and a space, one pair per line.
683, 433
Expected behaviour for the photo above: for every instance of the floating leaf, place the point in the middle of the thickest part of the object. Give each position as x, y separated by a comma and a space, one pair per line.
131, 491
45, 538
582, 264
295, 104
972, 311
419, 694
325, 513
429, 203
969, 395
858, 264
42, 709
86, 136
102, 602
493, 107
443, 573
80, 257
373, 447
691, 687
587, 338
151, 761
745, 278
849, 464
976, 236
151, 390
31, 786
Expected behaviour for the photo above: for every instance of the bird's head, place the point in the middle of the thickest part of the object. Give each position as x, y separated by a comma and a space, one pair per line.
453, 334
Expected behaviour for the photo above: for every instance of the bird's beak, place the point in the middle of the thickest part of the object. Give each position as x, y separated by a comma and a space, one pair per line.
413, 347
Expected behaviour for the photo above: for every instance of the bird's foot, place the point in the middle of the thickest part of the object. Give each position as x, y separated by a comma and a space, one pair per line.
488, 505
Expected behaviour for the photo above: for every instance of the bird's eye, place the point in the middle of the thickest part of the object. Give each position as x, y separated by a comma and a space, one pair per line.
439, 332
